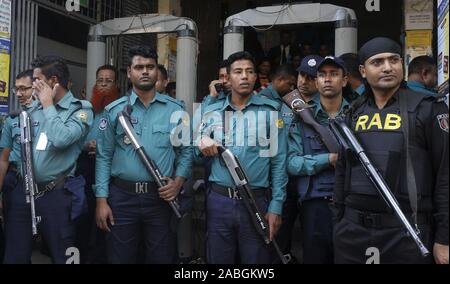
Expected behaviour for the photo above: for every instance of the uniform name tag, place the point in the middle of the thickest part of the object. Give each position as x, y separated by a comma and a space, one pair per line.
42, 142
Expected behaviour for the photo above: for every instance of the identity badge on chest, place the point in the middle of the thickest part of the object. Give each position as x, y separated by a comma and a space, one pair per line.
42, 142
126, 140
134, 120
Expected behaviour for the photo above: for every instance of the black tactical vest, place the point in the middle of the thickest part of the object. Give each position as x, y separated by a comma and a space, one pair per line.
380, 133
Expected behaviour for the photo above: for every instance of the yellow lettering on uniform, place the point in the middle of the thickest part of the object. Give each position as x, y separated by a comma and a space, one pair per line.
376, 121
362, 120
393, 122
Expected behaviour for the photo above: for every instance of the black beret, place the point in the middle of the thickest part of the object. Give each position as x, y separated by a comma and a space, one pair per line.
376, 46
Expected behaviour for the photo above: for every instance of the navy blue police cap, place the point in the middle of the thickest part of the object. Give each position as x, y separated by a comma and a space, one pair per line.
333, 61
309, 65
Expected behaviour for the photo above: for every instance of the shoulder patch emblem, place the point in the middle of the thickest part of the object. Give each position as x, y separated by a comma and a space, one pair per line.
83, 116
443, 121
103, 124
279, 123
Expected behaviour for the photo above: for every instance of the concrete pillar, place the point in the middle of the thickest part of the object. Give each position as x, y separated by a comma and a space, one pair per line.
233, 40
186, 68
346, 34
95, 58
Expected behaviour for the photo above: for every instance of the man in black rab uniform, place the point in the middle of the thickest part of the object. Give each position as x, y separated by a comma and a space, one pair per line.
366, 231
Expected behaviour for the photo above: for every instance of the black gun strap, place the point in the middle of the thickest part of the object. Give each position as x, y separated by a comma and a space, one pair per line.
410, 174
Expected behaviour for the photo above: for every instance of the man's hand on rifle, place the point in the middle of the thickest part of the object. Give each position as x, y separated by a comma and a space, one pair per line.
274, 221
208, 147
170, 191
440, 253
103, 214
332, 158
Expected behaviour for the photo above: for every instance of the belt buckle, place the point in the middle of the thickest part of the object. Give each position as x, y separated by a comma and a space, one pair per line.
38, 194
141, 187
49, 186
233, 193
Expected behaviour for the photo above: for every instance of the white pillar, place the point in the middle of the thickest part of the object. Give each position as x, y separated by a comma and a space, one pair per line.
187, 52
346, 41
233, 40
346, 33
96, 49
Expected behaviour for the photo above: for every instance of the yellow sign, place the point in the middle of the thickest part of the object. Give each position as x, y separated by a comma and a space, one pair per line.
4, 74
173, 44
419, 38
5, 46
418, 43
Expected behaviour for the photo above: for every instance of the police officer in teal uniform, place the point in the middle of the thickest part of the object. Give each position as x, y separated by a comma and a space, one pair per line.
422, 75
312, 164
90, 239
130, 206
23, 90
260, 145
306, 84
218, 94
284, 81
60, 124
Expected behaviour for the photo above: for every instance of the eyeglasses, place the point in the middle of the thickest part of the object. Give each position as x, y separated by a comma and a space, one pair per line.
107, 81
21, 89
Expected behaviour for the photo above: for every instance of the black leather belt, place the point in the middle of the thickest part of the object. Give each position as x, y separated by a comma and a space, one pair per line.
45, 187
380, 220
135, 187
233, 192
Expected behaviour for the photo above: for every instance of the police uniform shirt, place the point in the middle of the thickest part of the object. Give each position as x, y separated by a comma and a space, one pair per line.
300, 164
263, 167
11, 136
156, 129
419, 87
58, 132
285, 112
94, 130
210, 100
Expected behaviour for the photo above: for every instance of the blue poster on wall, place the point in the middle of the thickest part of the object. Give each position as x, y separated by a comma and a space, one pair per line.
3, 114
